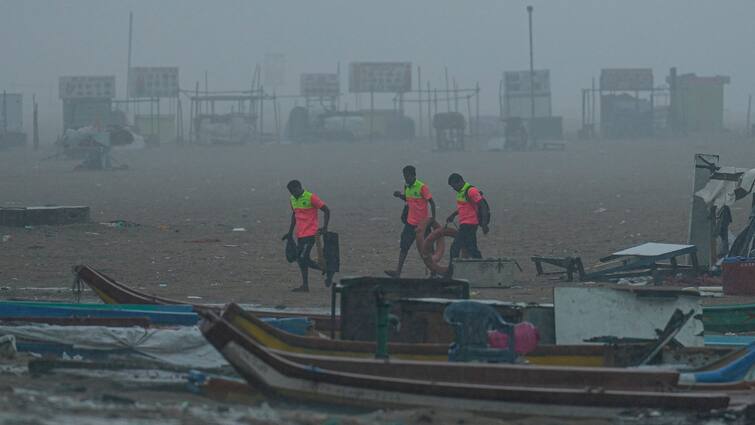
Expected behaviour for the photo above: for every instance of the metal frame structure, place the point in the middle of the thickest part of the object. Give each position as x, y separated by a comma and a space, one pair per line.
250, 103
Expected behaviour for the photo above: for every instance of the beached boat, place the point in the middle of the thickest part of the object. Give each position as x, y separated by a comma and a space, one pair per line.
564, 355
111, 291
164, 316
716, 319
486, 388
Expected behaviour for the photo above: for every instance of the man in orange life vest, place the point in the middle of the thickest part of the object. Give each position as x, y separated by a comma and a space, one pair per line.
473, 212
417, 197
304, 205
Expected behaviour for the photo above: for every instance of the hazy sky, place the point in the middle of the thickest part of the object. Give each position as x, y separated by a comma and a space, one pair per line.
476, 39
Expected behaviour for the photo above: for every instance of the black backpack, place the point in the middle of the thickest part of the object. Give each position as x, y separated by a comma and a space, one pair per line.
479, 216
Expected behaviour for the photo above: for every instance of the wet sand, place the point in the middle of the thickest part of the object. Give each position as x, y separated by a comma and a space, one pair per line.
590, 200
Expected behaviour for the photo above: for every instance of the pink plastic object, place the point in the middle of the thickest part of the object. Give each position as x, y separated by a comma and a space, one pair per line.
525, 334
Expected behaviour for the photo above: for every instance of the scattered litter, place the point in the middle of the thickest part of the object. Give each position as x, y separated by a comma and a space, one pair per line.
194, 297
92, 233
635, 281
163, 285
239, 229
27, 227
8, 346
6, 238
231, 246
206, 240
120, 224
600, 210
707, 291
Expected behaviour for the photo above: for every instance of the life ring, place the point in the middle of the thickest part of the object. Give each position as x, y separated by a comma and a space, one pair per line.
435, 238
436, 250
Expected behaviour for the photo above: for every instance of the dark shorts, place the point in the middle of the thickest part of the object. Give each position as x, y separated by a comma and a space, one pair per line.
466, 238
304, 246
408, 235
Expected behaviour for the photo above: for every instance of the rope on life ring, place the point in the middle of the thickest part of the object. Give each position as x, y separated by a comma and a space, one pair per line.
435, 239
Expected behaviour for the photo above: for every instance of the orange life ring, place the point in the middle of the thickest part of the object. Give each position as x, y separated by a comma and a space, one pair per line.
432, 258
436, 250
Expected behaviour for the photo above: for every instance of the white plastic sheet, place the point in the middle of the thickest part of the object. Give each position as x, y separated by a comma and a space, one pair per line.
183, 346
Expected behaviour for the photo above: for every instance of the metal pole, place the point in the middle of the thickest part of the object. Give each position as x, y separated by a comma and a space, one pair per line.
5, 113
456, 95
592, 109
429, 113
748, 130
206, 89
35, 123
419, 92
128, 71
372, 112
532, 78
448, 91
262, 113
477, 111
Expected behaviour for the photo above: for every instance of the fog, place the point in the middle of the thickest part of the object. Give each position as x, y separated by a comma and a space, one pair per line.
42, 40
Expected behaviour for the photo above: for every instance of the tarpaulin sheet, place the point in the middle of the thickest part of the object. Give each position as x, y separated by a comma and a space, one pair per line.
183, 346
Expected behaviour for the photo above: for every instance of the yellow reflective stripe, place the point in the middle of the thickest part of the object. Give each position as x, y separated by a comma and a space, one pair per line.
461, 195
414, 191
302, 202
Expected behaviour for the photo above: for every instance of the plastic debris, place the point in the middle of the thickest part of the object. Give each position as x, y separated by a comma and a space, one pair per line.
8, 346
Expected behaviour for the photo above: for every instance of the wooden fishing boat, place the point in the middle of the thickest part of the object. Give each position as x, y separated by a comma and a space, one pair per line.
171, 316
111, 291
485, 388
563, 355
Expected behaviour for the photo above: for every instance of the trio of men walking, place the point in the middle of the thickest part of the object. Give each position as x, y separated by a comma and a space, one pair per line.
472, 210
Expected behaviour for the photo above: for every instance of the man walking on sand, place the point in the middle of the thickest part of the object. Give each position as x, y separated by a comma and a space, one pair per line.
473, 212
416, 197
304, 219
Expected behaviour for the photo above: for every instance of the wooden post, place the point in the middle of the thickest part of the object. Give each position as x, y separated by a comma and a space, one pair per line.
419, 93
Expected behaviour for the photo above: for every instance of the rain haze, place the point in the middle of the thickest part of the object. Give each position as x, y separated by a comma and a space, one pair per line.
565, 185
